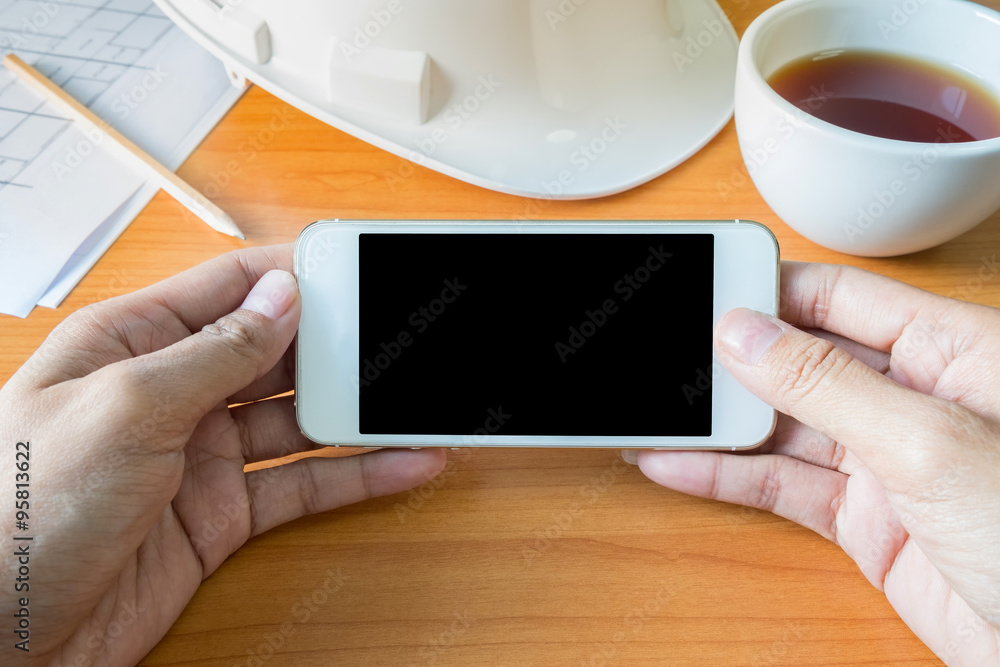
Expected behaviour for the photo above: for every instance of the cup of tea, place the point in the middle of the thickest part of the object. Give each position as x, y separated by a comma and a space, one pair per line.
872, 127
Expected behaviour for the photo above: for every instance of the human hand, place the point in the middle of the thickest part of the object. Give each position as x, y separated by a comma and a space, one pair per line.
136, 473
889, 442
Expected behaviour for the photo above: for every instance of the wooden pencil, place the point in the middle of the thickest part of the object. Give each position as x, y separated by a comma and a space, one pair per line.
193, 200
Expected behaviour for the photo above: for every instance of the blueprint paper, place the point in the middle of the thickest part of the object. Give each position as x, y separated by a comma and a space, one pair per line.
173, 156
58, 186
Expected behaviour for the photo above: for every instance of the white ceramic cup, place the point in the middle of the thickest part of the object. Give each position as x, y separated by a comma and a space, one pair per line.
852, 192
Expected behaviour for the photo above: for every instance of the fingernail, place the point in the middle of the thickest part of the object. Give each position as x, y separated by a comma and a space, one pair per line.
747, 335
272, 295
630, 456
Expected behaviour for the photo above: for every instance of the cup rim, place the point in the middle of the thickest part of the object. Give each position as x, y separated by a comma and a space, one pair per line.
747, 68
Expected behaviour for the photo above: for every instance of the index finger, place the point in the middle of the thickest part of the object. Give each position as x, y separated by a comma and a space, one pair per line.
152, 318
902, 435
204, 293
871, 309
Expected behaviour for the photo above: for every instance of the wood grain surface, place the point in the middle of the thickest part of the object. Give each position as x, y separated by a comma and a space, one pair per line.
514, 557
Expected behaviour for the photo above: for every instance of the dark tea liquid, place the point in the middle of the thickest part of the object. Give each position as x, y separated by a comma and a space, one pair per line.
890, 96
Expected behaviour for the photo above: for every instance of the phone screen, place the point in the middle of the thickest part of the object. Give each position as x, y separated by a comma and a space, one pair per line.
536, 334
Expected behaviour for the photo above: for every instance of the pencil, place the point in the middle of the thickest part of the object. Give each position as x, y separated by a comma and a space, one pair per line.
190, 198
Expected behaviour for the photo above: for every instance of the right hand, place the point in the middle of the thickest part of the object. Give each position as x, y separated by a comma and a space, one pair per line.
889, 444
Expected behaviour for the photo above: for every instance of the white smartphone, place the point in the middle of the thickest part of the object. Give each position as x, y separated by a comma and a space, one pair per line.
541, 334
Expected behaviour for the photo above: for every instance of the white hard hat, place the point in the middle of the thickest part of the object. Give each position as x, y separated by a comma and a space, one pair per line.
562, 99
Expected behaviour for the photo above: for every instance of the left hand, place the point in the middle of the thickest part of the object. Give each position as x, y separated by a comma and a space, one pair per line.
137, 484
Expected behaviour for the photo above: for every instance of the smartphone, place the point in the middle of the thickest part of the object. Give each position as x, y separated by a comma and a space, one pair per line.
527, 334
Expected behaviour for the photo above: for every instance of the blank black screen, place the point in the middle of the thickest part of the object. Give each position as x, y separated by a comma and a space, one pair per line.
536, 334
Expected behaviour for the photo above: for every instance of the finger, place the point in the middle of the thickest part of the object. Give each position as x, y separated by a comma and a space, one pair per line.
822, 386
792, 438
806, 494
91, 338
795, 439
150, 319
202, 294
863, 306
278, 380
868, 527
310, 485
269, 430
186, 380
925, 332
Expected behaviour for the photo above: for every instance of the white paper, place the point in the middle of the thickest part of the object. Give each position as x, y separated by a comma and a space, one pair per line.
49, 213
94, 246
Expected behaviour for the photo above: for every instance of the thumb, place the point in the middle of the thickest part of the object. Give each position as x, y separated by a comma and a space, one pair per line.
821, 385
189, 378
110, 488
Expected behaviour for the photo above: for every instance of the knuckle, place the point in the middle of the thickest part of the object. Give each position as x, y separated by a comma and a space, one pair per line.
309, 491
715, 486
239, 336
766, 492
87, 321
247, 437
836, 506
253, 502
813, 306
837, 454
82, 317
825, 295
807, 367
365, 476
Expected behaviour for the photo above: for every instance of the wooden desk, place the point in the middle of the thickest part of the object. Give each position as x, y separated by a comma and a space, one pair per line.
492, 563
